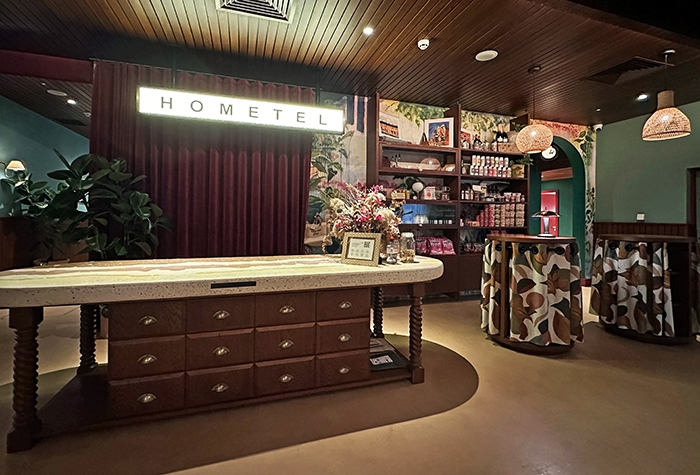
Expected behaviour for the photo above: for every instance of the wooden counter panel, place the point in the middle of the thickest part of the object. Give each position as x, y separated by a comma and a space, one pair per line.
285, 309
133, 397
211, 350
146, 357
289, 341
342, 368
214, 386
342, 335
277, 377
145, 319
220, 314
341, 304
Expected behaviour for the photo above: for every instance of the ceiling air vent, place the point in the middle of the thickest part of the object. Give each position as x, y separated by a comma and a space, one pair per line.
627, 71
271, 9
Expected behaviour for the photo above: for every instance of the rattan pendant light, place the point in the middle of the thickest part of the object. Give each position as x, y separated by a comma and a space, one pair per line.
534, 138
667, 122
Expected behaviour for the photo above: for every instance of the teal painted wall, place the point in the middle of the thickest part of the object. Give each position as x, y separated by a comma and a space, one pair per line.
566, 204
29, 137
633, 176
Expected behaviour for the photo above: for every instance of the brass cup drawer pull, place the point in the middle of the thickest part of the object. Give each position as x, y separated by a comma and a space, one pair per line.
221, 315
286, 378
344, 370
345, 304
287, 309
220, 388
145, 398
147, 359
344, 338
148, 320
286, 344
221, 351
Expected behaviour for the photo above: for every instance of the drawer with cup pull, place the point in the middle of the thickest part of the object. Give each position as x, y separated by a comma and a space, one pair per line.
145, 357
339, 304
340, 368
210, 350
220, 314
218, 385
285, 308
145, 319
287, 341
276, 377
342, 335
134, 397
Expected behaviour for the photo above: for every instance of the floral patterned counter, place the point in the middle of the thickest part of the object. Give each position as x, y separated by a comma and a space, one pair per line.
646, 286
531, 293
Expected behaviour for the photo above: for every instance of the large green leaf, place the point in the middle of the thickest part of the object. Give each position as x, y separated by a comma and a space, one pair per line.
145, 247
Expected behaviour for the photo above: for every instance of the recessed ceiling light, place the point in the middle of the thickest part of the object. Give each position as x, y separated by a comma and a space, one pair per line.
423, 44
54, 92
72, 102
87, 114
487, 55
43, 84
598, 109
368, 30
643, 97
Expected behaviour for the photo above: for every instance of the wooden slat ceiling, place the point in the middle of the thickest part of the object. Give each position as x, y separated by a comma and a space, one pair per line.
323, 45
31, 93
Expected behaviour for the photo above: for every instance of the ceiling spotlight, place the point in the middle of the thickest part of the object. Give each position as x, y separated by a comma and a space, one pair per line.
72, 102
423, 44
643, 97
487, 55
598, 109
368, 30
54, 92
87, 114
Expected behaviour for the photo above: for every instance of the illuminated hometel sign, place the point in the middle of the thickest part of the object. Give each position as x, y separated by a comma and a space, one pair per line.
194, 105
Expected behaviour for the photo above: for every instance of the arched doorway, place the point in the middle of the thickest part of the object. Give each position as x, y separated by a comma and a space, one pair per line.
572, 187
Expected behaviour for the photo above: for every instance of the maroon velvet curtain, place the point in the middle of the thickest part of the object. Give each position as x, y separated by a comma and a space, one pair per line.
231, 190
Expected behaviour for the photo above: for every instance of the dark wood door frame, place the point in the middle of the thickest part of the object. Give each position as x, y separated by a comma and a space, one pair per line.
692, 206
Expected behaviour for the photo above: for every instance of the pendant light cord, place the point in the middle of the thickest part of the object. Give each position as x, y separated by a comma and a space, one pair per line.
665, 71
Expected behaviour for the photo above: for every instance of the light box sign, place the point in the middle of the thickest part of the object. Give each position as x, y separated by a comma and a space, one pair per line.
193, 105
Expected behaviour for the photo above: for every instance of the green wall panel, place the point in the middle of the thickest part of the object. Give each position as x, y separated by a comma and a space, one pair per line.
633, 176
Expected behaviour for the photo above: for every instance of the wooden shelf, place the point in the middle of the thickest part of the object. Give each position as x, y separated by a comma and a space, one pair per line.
493, 202
416, 148
492, 179
431, 202
429, 226
494, 227
412, 172
466, 151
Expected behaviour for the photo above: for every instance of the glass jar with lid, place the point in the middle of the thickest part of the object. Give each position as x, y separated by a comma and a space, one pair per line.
408, 247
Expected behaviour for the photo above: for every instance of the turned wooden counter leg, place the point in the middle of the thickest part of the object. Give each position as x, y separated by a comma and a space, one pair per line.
88, 320
25, 423
415, 328
377, 312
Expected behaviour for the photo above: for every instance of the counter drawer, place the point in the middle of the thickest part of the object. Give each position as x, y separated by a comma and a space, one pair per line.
134, 397
276, 377
342, 368
214, 386
211, 350
146, 357
339, 304
145, 319
289, 341
343, 335
220, 314
283, 309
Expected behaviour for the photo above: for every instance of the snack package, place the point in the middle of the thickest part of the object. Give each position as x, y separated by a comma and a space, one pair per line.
435, 246
421, 246
447, 247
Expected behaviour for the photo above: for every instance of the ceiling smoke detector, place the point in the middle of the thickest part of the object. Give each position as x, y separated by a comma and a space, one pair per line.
423, 44
486, 55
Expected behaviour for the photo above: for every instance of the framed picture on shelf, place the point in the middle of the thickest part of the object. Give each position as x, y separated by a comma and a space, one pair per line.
361, 249
465, 139
438, 132
388, 126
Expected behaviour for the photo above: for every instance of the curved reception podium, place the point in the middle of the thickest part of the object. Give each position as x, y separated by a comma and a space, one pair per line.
645, 287
531, 293
187, 335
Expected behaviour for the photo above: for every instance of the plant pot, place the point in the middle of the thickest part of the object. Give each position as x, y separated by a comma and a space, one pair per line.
518, 170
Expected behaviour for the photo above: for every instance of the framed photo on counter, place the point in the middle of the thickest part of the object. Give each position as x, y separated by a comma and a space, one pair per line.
361, 249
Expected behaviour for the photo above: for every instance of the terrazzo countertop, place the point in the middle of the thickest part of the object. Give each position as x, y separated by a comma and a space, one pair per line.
120, 281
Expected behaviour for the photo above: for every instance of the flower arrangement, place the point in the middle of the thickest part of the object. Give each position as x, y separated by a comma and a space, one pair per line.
355, 209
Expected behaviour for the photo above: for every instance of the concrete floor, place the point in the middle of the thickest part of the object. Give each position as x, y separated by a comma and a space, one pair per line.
611, 406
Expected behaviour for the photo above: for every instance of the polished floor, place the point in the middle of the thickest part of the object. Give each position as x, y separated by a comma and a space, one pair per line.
611, 406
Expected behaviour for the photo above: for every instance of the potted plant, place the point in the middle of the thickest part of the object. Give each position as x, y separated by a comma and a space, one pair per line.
517, 167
